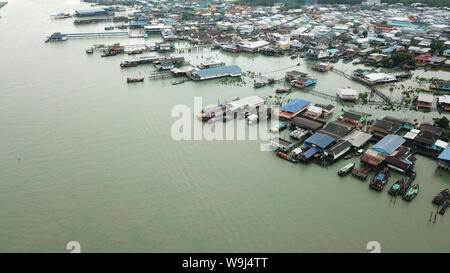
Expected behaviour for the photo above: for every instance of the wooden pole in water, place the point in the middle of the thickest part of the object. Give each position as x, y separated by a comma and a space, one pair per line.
435, 215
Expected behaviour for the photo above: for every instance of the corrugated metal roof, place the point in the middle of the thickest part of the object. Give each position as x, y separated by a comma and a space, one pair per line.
295, 105
388, 144
312, 151
232, 69
320, 140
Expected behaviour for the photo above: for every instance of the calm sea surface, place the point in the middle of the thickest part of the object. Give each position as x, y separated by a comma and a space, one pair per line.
99, 166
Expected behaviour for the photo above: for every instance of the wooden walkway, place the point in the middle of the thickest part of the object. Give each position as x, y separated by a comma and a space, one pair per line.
371, 87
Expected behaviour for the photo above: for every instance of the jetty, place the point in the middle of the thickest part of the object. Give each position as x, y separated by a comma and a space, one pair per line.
57, 36
160, 75
371, 86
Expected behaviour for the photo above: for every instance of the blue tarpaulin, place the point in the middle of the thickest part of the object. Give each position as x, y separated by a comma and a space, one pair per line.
388, 144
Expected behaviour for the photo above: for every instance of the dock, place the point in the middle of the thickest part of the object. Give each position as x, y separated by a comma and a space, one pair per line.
160, 75
361, 173
371, 86
96, 34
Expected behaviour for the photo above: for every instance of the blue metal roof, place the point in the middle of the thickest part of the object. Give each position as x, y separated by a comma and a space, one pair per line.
319, 140
295, 105
232, 69
93, 12
445, 155
312, 151
388, 144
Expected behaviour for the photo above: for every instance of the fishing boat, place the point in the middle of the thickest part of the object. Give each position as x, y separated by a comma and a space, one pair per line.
178, 82
294, 56
109, 28
411, 193
283, 90
397, 187
56, 37
444, 207
108, 54
61, 16
89, 50
441, 197
346, 169
280, 127
380, 180
259, 84
130, 80
134, 52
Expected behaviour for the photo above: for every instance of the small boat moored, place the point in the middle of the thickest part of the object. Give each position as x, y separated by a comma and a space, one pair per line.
130, 80
259, 84
441, 197
444, 207
380, 179
178, 82
283, 90
346, 169
411, 193
397, 187
89, 50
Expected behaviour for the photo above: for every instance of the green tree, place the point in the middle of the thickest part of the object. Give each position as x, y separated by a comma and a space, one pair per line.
442, 122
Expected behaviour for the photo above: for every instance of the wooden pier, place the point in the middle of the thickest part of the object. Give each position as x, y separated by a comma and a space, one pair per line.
361, 173
195, 48
96, 34
160, 75
370, 86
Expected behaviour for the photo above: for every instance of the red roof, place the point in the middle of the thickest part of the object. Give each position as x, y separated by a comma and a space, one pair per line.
423, 57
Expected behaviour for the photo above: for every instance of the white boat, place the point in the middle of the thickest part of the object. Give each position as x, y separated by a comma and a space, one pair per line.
61, 16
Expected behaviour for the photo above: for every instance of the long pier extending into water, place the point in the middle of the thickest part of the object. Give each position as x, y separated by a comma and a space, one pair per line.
96, 34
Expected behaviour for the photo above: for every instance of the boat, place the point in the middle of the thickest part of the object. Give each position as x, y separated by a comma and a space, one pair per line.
444, 207
134, 52
2, 4
130, 80
61, 16
89, 50
108, 54
294, 56
346, 169
56, 37
411, 193
280, 127
380, 179
259, 84
441, 197
178, 82
397, 187
109, 28
283, 90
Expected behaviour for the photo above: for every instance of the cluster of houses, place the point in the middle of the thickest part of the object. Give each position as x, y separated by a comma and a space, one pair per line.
325, 32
